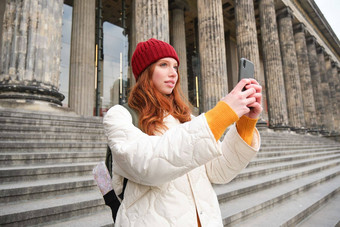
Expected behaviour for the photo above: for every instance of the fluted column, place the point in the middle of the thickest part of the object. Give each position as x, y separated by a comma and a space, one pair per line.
2, 12
328, 120
336, 79
246, 35
290, 70
305, 76
212, 52
277, 104
179, 42
151, 20
82, 68
246, 38
30, 52
337, 88
316, 81
329, 83
334, 85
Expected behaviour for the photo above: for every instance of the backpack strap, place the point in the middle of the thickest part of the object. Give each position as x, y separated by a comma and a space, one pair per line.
134, 114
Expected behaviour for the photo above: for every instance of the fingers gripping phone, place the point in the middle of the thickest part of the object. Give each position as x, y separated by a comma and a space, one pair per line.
246, 69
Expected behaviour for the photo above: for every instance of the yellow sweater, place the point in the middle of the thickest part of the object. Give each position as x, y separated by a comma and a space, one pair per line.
221, 116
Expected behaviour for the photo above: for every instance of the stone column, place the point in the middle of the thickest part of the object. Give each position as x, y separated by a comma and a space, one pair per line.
276, 98
316, 81
336, 79
179, 42
2, 13
328, 120
334, 84
82, 66
246, 35
290, 70
247, 44
30, 52
305, 76
337, 88
212, 52
329, 83
150, 19
132, 45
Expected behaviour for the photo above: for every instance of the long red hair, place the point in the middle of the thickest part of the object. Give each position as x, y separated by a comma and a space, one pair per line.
153, 106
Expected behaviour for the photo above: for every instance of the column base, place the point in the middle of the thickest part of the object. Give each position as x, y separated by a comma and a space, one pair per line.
324, 132
280, 128
30, 92
313, 131
36, 106
261, 124
334, 136
299, 130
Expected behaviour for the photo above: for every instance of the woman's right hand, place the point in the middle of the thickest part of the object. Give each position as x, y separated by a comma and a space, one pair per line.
238, 100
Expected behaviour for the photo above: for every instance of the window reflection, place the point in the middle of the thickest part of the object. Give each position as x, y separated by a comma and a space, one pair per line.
115, 66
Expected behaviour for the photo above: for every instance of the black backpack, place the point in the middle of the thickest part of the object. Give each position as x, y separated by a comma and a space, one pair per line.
110, 198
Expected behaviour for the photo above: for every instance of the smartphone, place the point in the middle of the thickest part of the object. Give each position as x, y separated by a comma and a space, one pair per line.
246, 69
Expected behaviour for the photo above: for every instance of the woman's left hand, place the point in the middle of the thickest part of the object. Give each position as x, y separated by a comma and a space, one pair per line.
255, 107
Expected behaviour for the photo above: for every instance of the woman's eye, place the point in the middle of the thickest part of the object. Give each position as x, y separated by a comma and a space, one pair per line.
176, 68
163, 64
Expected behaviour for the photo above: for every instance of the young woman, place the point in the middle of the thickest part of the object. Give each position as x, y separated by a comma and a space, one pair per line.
173, 158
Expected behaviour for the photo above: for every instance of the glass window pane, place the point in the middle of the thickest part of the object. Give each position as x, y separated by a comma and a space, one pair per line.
115, 66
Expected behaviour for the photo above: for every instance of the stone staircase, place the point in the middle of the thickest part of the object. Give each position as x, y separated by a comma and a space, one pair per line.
46, 163
291, 182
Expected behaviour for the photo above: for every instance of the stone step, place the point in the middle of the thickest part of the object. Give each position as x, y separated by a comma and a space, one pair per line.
294, 143
328, 212
17, 159
293, 148
28, 122
296, 137
291, 157
27, 212
32, 173
50, 137
98, 219
47, 116
236, 189
297, 207
6, 146
44, 129
330, 190
268, 154
256, 171
46, 188
257, 203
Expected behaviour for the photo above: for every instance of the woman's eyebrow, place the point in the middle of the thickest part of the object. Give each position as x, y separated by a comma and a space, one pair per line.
167, 61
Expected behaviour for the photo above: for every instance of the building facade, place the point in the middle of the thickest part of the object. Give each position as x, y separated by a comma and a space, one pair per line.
295, 52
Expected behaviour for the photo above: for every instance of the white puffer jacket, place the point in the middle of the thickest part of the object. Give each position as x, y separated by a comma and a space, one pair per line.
170, 175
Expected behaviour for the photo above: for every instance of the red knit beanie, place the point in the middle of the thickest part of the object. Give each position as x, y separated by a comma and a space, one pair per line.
149, 52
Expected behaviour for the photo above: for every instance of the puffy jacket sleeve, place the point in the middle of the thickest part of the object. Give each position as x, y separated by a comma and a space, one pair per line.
154, 160
236, 156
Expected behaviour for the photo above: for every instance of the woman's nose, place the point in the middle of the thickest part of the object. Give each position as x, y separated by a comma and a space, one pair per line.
173, 72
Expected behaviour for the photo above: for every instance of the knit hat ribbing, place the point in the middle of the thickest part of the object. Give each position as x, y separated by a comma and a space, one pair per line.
149, 52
